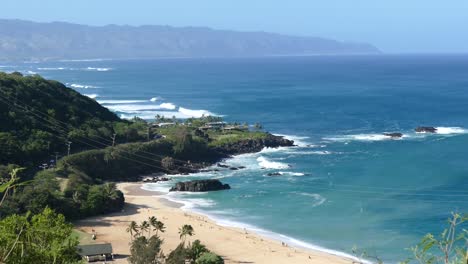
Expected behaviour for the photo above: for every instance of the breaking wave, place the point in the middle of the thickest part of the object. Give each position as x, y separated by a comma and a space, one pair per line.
120, 101
298, 140
195, 113
93, 96
451, 130
98, 69
168, 106
81, 86
267, 164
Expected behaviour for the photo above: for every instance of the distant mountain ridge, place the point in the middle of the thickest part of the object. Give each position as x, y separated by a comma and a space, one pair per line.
26, 40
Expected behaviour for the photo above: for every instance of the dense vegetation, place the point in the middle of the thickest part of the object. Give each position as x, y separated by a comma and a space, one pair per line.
41, 238
145, 247
42, 120
76, 199
39, 117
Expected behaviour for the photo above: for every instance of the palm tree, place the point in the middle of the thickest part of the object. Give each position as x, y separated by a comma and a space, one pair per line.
145, 226
152, 220
133, 227
109, 190
157, 225
186, 230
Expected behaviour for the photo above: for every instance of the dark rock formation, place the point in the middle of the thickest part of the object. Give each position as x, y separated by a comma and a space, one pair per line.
393, 135
200, 186
255, 145
274, 174
423, 129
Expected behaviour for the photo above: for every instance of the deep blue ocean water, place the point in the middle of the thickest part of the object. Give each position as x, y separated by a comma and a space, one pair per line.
347, 185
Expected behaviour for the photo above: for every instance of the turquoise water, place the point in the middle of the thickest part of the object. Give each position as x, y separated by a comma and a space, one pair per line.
347, 184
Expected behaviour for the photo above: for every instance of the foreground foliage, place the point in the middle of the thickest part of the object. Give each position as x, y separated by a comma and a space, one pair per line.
40, 238
145, 247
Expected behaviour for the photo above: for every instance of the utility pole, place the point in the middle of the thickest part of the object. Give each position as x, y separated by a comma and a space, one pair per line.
148, 136
56, 158
113, 139
69, 147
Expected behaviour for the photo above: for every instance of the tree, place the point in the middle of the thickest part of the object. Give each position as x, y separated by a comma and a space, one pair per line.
5, 187
209, 258
178, 255
145, 227
157, 225
447, 244
186, 230
42, 238
146, 251
258, 126
132, 229
196, 250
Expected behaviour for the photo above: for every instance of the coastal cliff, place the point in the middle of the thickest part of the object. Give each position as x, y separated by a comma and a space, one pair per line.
255, 145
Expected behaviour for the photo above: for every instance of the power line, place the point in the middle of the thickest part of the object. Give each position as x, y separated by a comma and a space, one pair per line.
94, 146
66, 129
97, 136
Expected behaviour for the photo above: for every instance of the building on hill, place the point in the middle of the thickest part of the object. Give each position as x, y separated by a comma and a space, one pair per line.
96, 252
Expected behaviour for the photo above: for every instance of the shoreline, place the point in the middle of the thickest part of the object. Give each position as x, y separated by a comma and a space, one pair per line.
235, 245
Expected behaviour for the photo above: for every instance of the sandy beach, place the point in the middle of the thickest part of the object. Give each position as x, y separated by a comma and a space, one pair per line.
233, 244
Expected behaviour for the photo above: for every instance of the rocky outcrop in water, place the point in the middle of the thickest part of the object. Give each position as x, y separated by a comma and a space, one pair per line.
200, 186
255, 145
423, 129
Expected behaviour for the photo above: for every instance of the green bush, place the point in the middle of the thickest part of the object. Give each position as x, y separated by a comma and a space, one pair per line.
209, 258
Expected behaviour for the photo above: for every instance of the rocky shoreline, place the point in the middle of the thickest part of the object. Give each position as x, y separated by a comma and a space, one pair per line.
229, 150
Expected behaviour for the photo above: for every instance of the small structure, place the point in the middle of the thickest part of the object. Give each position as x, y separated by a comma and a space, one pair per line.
213, 125
96, 252
235, 128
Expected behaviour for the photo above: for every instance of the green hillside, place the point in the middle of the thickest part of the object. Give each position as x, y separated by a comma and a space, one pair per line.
39, 117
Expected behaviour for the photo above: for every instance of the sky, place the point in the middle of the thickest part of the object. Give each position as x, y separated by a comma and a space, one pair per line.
394, 26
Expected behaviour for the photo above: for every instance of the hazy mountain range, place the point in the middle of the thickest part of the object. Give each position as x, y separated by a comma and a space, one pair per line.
26, 40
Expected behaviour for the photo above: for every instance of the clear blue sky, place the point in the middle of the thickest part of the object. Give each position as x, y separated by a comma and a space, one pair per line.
392, 25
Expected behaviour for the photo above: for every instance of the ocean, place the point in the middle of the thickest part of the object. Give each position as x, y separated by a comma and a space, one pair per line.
344, 184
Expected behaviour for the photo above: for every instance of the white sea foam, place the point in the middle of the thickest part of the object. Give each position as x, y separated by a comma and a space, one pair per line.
189, 203
195, 113
152, 114
168, 106
267, 164
318, 199
98, 69
318, 152
81, 86
154, 99
31, 72
133, 108
273, 150
291, 173
157, 187
451, 130
93, 96
84, 60
277, 236
53, 69
298, 140
363, 137
121, 101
